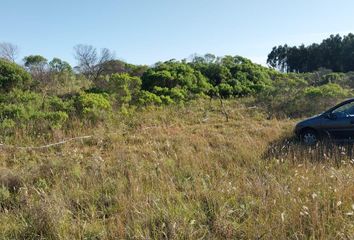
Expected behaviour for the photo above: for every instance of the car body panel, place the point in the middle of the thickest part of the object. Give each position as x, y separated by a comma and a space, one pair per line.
337, 126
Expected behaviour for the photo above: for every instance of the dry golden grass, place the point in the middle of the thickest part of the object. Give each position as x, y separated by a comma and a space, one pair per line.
176, 173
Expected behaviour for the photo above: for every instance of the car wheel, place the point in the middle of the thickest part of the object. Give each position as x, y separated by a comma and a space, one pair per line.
309, 137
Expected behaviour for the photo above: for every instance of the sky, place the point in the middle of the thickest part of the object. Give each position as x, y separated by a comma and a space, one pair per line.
147, 31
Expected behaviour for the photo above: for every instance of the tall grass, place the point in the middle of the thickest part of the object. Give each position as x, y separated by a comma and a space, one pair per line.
182, 172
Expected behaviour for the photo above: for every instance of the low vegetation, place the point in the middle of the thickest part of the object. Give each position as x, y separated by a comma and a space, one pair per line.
192, 149
182, 172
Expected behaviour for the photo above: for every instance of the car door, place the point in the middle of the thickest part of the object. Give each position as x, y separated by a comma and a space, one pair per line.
339, 127
340, 123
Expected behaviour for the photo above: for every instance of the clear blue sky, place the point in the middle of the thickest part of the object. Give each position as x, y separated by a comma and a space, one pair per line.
146, 31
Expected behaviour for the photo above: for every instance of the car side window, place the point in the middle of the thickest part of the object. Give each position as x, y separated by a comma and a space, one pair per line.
346, 110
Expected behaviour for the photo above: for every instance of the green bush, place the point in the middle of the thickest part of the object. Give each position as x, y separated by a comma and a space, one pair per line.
178, 94
56, 119
29, 108
173, 74
166, 100
13, 76
149, 98
93, 106
58, 104
329, 90
244, 77
20, 106
125, 87
225, 90
290, 95
7, 126
174, 94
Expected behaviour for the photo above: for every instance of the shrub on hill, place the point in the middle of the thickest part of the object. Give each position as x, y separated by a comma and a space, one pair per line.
24, 108
13, 76
173, 74
234, 76
93, 106
291, 96
124, 87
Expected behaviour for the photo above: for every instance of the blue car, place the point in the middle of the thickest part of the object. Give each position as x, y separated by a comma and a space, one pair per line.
335, 124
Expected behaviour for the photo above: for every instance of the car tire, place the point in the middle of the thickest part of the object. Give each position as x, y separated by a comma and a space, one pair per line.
309, 137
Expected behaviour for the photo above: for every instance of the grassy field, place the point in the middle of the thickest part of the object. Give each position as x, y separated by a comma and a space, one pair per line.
176, 173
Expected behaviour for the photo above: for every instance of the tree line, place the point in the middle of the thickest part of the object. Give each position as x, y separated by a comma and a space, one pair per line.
335, 53
209, 75
44, 93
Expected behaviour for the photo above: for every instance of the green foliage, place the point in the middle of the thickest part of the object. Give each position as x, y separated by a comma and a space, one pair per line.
35, 61
216, 73
227, 76
173, 74
118, 66
173, 94
329, 90
61, 83
125, 87
13, 76
56, 119
93, 106
225, 90
290, 95
20, 108
165, 83
335, 53
57, 104
149, 98
58, 66
317, 99
334, 77
7, 126
166, 100
233, 76
17, 96
255, 77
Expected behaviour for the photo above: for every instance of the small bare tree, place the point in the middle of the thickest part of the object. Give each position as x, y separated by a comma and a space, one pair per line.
8, 51
90, 62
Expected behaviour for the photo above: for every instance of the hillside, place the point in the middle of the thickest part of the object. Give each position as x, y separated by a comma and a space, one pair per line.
192, 149
178, 172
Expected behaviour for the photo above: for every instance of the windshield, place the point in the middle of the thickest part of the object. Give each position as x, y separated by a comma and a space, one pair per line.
345, 110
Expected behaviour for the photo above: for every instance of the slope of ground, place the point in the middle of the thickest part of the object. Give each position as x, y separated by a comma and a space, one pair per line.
182, 172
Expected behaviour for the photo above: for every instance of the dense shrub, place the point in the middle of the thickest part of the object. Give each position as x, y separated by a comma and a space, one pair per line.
234, 76
56, 119
326, 91
149, 98
124, 87
93, 106
59, 96
19, 108
57, 104
225, 90
13, 76
171, 95
175, 74
290, 95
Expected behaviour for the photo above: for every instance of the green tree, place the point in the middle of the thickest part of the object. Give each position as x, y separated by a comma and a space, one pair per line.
37, 66
35, 62
58, 66
335, 53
